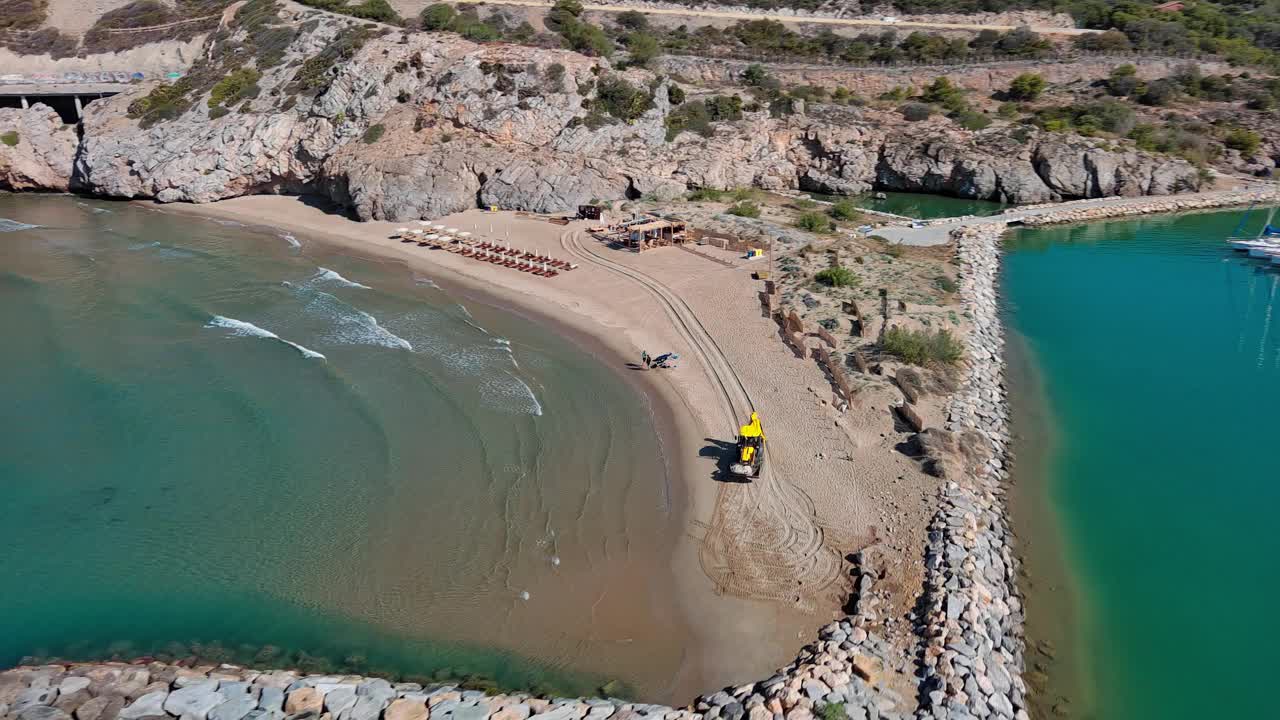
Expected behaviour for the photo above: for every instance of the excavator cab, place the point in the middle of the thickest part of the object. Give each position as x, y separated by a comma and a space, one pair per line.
750, 458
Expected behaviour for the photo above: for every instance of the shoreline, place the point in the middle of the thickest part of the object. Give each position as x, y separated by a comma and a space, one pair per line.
676, 421
1055, 658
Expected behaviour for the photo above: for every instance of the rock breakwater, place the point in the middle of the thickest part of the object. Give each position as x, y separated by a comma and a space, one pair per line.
972, 645
842, 669
1085, 211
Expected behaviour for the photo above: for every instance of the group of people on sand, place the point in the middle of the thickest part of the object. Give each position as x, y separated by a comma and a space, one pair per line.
665, 360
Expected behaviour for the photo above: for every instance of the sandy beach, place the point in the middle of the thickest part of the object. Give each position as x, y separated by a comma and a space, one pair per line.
760, 564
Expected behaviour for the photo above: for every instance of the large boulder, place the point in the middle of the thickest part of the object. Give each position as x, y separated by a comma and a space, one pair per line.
36, 149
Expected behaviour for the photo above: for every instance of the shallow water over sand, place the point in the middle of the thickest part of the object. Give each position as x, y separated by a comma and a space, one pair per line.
230, 438
1158, 350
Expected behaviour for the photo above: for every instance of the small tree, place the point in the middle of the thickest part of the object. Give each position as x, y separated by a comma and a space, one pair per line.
1026, 86
745, 209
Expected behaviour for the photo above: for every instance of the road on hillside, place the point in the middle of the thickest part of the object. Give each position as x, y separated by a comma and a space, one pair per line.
729, 15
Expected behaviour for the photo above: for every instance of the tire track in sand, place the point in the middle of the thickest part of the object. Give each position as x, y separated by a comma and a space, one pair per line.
763, 539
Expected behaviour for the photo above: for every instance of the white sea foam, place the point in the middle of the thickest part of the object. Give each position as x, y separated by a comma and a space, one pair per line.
351, 325
240, 328
289, 238
7, 225
426, 281
508, 392
327, 275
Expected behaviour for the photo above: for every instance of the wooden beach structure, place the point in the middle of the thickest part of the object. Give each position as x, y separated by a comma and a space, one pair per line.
656, 233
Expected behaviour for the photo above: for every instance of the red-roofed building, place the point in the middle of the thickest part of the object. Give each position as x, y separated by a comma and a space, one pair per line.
1174, 6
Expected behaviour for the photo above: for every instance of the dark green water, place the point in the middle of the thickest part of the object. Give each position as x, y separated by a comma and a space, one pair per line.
1159, 354
923, 206
215, 438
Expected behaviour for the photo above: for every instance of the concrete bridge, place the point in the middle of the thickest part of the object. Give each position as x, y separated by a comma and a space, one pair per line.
69, 92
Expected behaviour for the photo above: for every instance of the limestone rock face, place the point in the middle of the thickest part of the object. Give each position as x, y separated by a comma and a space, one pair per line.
424, 124
41, 152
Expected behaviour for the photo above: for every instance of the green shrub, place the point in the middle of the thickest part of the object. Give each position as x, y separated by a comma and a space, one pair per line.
242, 83
9, 138
379, 10
621, 99
945, 284
706, 195
743, 194
374, 133
814, 222
1246, 141
217, 112
675, 95
745, 209
972, 120
1026, 86
845, 209
22, 14
692, 116
805, 203
920, 347
1008, 110
437, 17
641, 47
833, 711
838, 277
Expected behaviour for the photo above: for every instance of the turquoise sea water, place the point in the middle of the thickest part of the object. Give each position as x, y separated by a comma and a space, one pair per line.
229, 441
1159, 353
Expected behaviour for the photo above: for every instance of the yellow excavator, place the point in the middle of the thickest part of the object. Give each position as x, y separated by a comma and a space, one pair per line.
750, 460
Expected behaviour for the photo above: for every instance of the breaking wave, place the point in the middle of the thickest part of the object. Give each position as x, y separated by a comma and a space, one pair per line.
351, 325
240, 328
289, 238
7, 225
327, 275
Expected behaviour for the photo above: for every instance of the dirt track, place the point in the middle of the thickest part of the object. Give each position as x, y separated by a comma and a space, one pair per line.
763, 539
729, 15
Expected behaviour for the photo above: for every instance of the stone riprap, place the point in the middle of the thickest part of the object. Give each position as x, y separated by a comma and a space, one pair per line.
972, 645
843, 668
1151, 206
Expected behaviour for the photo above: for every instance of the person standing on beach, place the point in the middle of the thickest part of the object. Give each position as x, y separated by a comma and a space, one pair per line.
644, 358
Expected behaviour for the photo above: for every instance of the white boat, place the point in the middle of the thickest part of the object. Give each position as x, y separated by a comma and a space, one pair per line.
1268, 238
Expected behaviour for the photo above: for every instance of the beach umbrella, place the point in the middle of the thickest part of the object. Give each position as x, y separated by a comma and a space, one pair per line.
438, 227
433, 236
423, 223
417, 232
464, 234
402, 230
453, 231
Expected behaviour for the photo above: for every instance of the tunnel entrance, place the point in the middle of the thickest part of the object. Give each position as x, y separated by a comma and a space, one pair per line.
65, 104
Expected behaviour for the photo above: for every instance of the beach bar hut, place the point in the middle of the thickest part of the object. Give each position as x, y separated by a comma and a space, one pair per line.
655, 233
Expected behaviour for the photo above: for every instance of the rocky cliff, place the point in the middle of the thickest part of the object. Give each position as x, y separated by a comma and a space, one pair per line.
399, 126
36, 149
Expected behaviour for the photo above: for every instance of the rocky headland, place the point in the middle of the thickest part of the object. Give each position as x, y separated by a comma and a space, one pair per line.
397, 126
